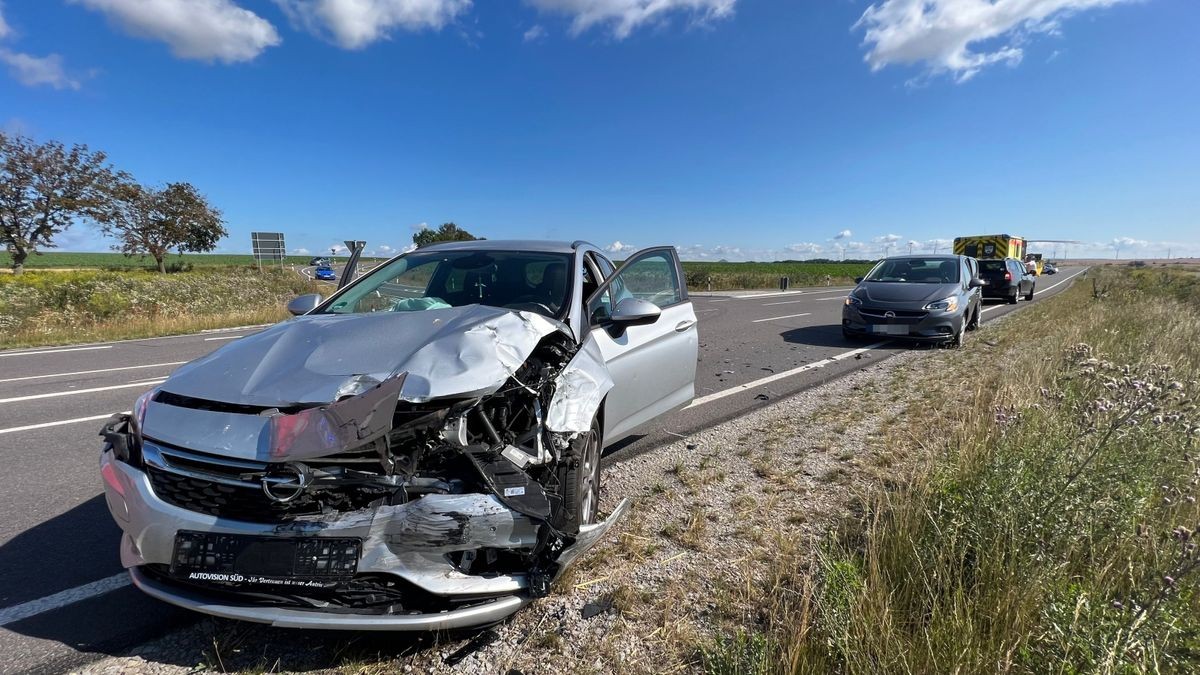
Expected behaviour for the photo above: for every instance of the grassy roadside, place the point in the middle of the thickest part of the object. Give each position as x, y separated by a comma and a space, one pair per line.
1048, 523
46, 308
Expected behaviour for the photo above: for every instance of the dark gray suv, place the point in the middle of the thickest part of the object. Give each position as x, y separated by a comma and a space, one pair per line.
918, 297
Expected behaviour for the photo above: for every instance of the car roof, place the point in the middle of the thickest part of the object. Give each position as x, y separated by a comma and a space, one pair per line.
532, 245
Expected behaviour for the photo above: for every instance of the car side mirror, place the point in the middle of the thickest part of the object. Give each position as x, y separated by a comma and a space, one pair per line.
305, 303
978, 283
858, 280
635, 312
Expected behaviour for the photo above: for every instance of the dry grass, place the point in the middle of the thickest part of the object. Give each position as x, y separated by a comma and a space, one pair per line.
1049, 527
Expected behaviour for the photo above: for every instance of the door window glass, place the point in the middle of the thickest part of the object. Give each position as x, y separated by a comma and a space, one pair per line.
652, 278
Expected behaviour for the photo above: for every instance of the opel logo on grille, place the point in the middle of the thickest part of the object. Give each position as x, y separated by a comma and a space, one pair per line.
889, 314
281, 489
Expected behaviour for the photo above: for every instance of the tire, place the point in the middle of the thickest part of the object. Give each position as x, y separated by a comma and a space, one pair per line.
1029, 295
1016, 295
581, 481
960, 338
973, 324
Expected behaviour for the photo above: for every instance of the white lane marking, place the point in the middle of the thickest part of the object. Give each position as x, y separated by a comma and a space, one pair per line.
63, 598
988, 309
59, 423
92, 372
74, 392
698, 311
779, 376
787, 302
225, 330
778, 293
55, 351
775, 318
110, 345
224, 337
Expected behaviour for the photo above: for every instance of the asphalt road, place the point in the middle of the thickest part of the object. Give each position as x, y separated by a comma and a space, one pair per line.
64, 598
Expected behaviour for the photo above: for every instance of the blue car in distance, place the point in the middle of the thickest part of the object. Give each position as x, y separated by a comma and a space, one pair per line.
325, 274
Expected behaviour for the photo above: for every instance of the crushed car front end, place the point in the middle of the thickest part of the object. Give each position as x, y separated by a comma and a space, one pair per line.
394, 505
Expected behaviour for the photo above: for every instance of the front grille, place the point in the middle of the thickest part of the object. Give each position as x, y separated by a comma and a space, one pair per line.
903, 316
217, 486
247, 504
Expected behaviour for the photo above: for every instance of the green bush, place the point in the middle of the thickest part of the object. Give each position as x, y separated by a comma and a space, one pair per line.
43, 301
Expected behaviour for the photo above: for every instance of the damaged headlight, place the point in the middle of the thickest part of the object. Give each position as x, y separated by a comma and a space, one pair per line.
122, 433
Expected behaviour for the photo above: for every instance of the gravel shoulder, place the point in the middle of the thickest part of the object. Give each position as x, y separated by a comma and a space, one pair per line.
686, 569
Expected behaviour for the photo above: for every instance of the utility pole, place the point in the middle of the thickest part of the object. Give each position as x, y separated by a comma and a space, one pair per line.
910, 247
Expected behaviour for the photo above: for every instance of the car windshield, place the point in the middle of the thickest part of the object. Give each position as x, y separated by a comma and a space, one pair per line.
916, 271
422, 280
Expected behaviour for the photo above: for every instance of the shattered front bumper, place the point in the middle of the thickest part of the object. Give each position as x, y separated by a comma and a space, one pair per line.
411, 544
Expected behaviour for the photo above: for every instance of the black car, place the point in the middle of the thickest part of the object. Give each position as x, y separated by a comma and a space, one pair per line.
932, 298
1006, 278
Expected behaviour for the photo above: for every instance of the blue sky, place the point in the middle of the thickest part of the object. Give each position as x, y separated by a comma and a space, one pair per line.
738, 129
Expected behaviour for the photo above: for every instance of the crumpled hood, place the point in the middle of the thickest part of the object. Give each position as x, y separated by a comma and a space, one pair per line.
466, 351
917, 295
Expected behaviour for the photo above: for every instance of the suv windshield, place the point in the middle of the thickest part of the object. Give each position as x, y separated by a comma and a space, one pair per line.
916, 270
535, 282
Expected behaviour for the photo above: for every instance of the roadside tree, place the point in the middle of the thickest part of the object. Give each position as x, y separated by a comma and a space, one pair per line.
148, 221
447, 232
44, 188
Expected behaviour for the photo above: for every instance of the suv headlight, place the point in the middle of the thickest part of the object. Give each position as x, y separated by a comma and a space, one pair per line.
948, 305
852, 301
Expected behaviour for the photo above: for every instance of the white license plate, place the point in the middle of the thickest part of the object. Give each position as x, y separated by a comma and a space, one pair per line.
890, 329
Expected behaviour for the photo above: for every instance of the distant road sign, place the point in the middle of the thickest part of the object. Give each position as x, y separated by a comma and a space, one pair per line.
268, 247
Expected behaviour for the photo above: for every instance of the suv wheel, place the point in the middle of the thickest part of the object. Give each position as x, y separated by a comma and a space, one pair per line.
973, 324
1016, 295
581, 482
1029, 295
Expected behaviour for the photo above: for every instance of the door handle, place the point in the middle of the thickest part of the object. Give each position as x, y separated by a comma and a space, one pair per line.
684, 325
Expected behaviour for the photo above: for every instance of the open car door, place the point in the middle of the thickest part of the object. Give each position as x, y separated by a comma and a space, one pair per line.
645, 326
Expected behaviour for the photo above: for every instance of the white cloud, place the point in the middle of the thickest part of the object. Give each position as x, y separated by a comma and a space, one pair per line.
625, 16
417, 227
384, 249
35, 71
619, 247
354, 24
947, 36
844, 234
5, 30
535, 33
805, 248
300, 251
338, 249
207, 30
409, 249
887, 239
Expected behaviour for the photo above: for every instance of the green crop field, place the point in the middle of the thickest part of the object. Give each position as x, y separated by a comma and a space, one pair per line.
718, 276
701, 276
70, 260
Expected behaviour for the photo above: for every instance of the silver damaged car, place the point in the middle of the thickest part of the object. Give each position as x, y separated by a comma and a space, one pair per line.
419, 451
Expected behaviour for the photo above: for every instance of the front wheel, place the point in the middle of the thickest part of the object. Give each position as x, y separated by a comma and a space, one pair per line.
973, 324
581, 482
